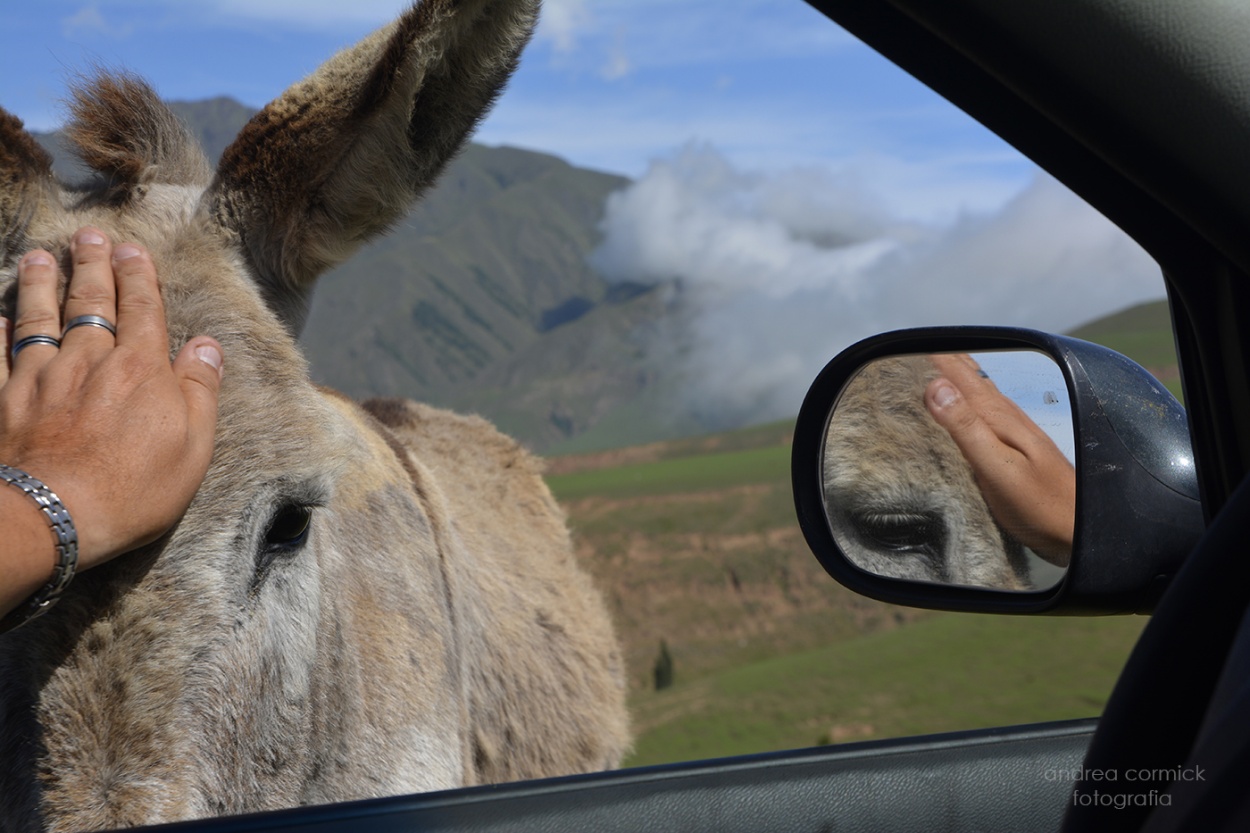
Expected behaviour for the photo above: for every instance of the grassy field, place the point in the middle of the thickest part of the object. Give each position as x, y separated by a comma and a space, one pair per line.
942, 673
674, 476
699, 548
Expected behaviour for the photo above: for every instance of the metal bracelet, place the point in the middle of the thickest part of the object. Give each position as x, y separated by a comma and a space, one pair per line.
66, 547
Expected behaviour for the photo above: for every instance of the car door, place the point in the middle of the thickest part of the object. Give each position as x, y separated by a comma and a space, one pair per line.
1108, 97
1125, 104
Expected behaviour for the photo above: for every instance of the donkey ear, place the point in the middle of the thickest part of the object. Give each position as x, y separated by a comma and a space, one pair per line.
341, 155
25, 171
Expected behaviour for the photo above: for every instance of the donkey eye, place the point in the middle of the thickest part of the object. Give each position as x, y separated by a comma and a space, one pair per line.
916, 533
289, 528
286, 533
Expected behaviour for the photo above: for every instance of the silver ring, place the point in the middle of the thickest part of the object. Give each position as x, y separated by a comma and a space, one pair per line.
89, 321
22, 343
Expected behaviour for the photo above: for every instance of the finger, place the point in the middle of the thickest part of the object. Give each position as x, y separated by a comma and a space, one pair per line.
967, 375
198, 367
1007, 419
38, 313
91, 291
951, 362
977, 440
140, 310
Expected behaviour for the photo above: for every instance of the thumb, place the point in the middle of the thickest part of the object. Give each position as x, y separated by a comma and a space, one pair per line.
198, 368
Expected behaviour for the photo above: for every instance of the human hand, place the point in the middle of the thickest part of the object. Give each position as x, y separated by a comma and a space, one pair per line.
123, 437
1026, 480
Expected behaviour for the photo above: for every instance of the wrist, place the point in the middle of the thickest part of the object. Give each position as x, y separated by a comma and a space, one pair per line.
39, 550
26, 551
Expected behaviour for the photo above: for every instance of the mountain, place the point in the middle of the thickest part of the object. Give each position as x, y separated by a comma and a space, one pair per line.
480, 298
1142, 332
214, 121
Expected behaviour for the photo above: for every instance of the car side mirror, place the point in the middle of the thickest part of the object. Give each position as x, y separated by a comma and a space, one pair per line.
997, 470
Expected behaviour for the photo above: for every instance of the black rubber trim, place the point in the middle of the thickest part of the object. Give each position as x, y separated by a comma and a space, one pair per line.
1016, 778
1154, 713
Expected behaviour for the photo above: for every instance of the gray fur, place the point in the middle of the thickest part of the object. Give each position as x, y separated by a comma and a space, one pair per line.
435, 630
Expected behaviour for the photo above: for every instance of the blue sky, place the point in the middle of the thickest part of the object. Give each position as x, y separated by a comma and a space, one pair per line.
806, 192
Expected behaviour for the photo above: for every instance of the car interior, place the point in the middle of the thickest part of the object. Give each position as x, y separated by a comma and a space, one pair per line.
1142, 108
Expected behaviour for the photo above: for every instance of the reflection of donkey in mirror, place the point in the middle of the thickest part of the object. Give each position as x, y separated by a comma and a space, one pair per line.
901, 498
360, 601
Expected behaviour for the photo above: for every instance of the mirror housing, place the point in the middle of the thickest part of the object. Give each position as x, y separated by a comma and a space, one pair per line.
1138, 511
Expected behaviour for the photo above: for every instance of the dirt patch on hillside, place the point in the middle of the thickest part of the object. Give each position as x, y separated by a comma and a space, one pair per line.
718, 595
606, 459
597, 506
761, 437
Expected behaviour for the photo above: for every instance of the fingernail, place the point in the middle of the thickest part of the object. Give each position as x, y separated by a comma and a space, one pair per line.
38, 258
88, 237
945, 395
210, 355
125, 251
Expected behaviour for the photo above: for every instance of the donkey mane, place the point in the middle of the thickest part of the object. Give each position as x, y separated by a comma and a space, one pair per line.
123, 131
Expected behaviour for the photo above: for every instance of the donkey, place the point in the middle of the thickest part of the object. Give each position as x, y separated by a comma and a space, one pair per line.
361, 600
901, 497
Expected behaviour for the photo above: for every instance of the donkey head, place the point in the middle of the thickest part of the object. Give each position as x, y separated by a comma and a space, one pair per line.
224, 667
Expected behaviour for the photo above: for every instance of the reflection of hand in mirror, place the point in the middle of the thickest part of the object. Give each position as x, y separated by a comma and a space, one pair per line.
1027, 481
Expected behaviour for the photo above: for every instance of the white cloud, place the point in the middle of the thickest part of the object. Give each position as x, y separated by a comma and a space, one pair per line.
562, 22
722, 231
779, 271
89, 22
617, 64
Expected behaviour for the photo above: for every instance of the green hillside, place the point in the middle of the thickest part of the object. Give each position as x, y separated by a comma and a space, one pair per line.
1144, 334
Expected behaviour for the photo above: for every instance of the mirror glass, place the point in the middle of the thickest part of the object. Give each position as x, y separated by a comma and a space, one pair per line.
954, 469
